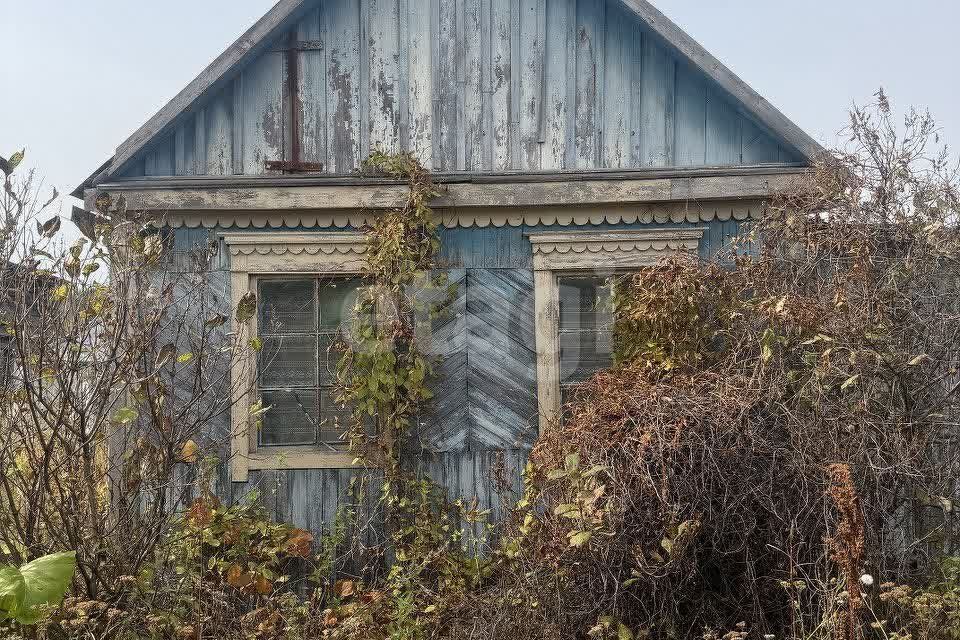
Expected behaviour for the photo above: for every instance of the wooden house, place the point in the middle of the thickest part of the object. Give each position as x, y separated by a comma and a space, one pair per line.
571, 139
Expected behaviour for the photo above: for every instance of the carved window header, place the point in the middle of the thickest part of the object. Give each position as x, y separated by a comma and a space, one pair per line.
282, 252
609, 249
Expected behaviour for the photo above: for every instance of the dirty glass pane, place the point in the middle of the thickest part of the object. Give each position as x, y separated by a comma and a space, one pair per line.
338, 298
287, 306
334, 419
583, 353
329, 353
584, 302
291, 420
288, 361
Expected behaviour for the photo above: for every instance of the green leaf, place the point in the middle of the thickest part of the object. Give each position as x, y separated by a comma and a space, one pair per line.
184, 358
247, 307
567, 511
46, 580
16, 159
580, 538
12, 592
125, 415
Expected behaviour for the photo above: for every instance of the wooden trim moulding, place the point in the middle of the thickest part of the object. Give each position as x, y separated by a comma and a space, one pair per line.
262, 201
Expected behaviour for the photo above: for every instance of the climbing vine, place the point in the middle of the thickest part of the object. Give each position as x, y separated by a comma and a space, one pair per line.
384, 372
384, 377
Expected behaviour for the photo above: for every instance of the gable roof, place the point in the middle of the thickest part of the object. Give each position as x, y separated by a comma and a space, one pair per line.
285, 13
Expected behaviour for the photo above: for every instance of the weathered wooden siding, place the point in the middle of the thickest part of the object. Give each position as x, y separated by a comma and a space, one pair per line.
471, 85
476, 438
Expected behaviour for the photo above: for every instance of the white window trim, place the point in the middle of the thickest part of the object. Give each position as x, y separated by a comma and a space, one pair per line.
254, 255
556, 253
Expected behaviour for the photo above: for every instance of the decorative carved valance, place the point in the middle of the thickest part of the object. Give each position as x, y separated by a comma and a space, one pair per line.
609, 249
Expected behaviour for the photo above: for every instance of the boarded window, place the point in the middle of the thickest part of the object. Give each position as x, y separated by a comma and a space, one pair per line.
586, 325
303, 323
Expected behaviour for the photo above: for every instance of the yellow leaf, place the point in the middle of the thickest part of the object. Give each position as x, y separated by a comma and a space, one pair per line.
190, 451
580, 538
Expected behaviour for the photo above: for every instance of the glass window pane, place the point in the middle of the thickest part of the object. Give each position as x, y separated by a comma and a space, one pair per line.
338, 298
288, 361
334, 419
287, 306
583, 353
584, 302
291, 420
329, 354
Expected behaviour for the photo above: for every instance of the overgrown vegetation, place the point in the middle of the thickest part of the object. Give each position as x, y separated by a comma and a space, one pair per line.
772, 454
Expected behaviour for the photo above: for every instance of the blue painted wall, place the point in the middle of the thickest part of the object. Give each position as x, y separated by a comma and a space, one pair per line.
473, 85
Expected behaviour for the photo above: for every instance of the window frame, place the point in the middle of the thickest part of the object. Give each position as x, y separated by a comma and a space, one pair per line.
253, 256
557, 254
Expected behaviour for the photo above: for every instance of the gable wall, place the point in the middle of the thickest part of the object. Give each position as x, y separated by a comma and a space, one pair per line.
471, 85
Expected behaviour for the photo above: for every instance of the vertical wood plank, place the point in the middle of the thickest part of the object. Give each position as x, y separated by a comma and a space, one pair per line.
384, 74
690, 132
262, 108
590, 25
531, 77
560, 93
615, 132
472, 94
758, 146
546, 314
446, 88
723, 132
159, 159
218, 135
312, 86
343, 84
420, 73
501, 80
185, 149
657, 84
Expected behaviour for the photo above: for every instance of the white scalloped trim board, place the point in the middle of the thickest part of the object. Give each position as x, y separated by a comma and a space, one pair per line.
296, 249
608, 247
690, 212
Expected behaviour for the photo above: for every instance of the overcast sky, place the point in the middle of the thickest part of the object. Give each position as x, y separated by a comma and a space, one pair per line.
77, 77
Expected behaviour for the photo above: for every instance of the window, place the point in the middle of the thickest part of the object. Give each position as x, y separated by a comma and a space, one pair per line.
303, 323
572, 283
306, 286
585, 328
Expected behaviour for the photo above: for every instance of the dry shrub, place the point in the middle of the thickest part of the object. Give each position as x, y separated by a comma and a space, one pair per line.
773, 430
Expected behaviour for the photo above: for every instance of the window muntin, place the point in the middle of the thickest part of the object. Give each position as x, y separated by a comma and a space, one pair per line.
585, 327
302, 322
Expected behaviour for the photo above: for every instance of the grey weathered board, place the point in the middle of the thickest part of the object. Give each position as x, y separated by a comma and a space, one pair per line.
473, 85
